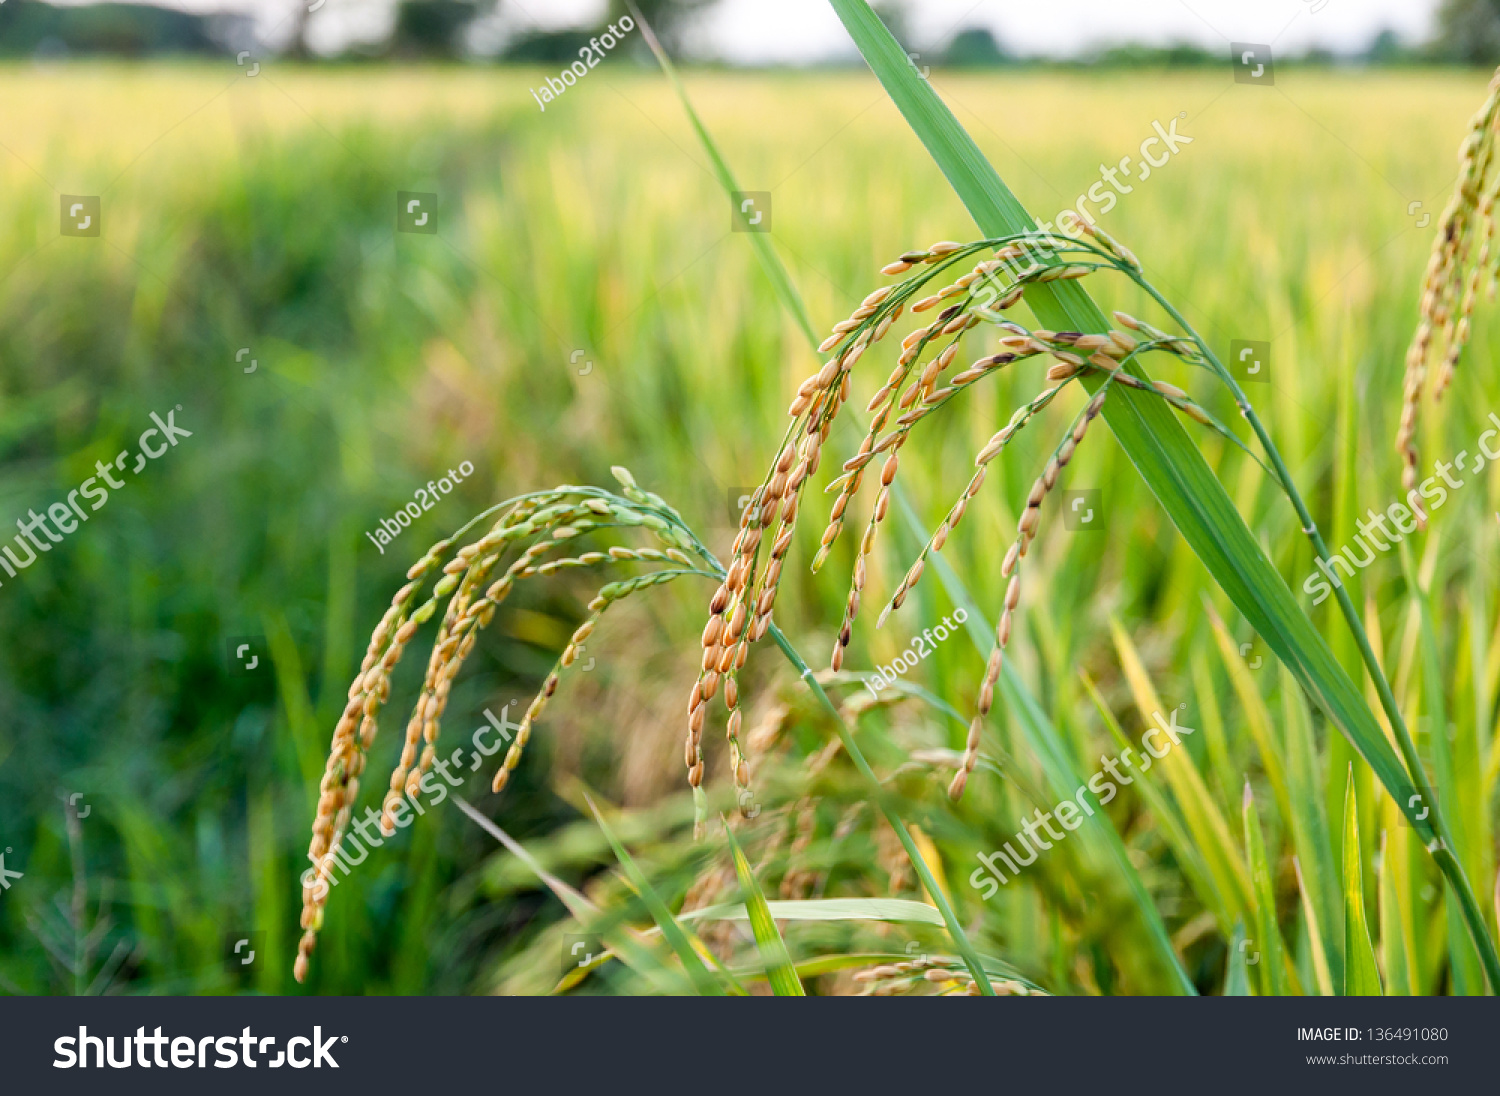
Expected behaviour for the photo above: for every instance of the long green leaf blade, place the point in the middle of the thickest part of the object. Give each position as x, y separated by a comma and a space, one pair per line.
779, 969
623, 942
1361, 976
1237, 976
1274, 981
1311, 829
705, 983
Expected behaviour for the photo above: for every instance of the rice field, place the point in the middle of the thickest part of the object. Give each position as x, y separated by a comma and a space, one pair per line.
587, 302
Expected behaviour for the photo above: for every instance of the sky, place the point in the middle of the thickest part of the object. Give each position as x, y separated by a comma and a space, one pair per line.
800, 31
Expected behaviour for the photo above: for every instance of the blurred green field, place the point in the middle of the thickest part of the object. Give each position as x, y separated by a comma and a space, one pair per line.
585, 303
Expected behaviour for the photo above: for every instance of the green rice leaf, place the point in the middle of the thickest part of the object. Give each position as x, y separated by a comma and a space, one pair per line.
1204, 821
1273, 963
779, 968
1457, 786
1310, 826
1315, 935
1393, 951
1361, 976
1237, 975
1173, 830
704, 982
1257, 715
623, 943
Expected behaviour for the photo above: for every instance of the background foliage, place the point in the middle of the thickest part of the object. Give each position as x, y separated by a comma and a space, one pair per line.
259, 213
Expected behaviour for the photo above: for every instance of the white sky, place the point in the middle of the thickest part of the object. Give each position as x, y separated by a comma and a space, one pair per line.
763, 30
807, 30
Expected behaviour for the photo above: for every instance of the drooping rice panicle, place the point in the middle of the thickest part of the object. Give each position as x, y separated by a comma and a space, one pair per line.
983, 288
926, 972
1026, 528
554, 519
608, 595
464, 618
992, 449
355, 732
1450, 282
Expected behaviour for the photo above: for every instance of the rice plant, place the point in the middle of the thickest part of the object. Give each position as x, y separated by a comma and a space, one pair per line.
536, 526
966, 287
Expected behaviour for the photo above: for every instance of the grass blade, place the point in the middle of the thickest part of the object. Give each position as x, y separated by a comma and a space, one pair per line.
826, 909
1274, 981
1175, 833
1200, 813
1237, 976
1361, 977
704, 982
779, 969
1393, 952
1458, 785
1310, 826
630, 947
770, 262
1257, 715
1321, 972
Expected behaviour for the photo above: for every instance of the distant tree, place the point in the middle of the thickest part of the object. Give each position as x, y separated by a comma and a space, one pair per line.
550, 47
1386, 49
974, 47
1469, 31
668, 18
132, 30
1181, 55
897, 19
434, 28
